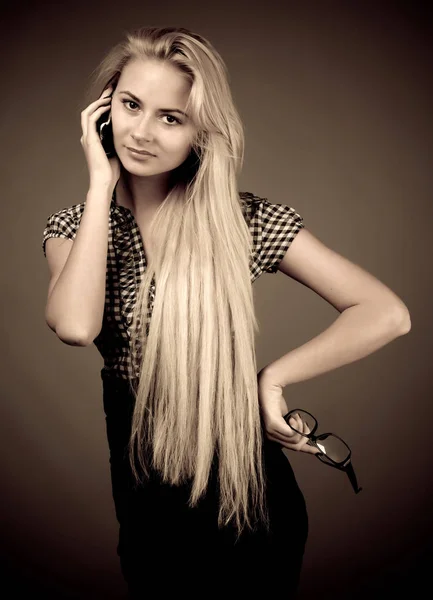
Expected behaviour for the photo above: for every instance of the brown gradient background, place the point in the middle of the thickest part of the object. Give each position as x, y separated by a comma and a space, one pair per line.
336, 98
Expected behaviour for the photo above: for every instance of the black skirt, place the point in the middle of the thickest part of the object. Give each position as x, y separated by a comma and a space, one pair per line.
166, 547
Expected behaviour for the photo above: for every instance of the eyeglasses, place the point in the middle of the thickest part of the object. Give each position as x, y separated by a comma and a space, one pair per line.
334, 451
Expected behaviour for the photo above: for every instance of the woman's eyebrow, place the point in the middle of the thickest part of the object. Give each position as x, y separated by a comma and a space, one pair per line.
136, 99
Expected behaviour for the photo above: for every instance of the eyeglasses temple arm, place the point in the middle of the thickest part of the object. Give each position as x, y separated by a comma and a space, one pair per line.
351, 474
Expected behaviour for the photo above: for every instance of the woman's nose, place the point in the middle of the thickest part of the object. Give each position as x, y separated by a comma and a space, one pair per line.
143, 130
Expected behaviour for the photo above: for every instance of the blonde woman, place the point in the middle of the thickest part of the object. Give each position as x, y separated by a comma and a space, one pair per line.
157, 272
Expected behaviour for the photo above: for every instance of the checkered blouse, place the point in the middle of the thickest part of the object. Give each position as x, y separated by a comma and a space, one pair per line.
273, 227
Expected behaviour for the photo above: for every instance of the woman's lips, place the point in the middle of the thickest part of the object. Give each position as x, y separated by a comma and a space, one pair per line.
143, 153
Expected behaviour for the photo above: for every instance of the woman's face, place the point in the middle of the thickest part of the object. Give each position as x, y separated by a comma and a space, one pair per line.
144, 117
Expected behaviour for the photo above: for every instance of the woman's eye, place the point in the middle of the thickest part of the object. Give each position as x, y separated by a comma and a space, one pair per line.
171, 117
129, 102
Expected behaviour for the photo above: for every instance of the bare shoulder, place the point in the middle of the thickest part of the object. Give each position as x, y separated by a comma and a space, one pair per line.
332, 276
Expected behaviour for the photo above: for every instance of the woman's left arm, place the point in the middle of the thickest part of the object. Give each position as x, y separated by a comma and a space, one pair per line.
371, 316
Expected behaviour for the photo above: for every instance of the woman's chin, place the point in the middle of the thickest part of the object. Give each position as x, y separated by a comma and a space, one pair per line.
138, 167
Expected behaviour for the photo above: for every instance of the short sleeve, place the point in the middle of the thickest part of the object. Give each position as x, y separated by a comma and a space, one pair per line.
277, 226
60, 224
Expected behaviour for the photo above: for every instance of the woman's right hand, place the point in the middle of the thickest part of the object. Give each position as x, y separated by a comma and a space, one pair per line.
102, 170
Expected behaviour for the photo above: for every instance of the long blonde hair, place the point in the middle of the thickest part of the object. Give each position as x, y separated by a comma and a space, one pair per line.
196, 395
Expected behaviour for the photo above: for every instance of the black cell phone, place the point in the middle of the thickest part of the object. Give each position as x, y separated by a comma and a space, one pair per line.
105, 131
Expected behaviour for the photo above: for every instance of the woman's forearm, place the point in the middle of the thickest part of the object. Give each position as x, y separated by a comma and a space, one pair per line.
357, 332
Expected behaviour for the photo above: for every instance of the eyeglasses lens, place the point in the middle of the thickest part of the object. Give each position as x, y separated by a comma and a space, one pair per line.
330, 445
333, 447
307, 419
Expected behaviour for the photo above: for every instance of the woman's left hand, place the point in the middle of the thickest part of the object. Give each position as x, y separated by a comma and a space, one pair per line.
273, 407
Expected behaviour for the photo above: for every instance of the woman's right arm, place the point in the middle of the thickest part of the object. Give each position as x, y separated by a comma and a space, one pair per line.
76, 294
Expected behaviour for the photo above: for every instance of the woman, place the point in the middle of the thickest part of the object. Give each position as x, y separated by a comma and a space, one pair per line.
206, 500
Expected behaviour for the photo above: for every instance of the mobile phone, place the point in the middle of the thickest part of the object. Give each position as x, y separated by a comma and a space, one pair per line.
105, 132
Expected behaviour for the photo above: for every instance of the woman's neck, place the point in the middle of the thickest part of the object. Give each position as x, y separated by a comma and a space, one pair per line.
141, 194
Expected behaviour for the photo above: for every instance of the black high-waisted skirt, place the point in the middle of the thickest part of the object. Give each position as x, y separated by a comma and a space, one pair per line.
166, 547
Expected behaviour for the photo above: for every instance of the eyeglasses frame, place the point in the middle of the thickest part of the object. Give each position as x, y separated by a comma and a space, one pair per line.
345, 465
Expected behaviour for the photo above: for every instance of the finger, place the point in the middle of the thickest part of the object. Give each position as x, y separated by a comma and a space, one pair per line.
105, 101
89, 130
291, 439
298, 420
281, 442
297, 425
296, 447
303, 427
304, 445
96, 103
284, 431
108, 89
287, 438
309, 449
